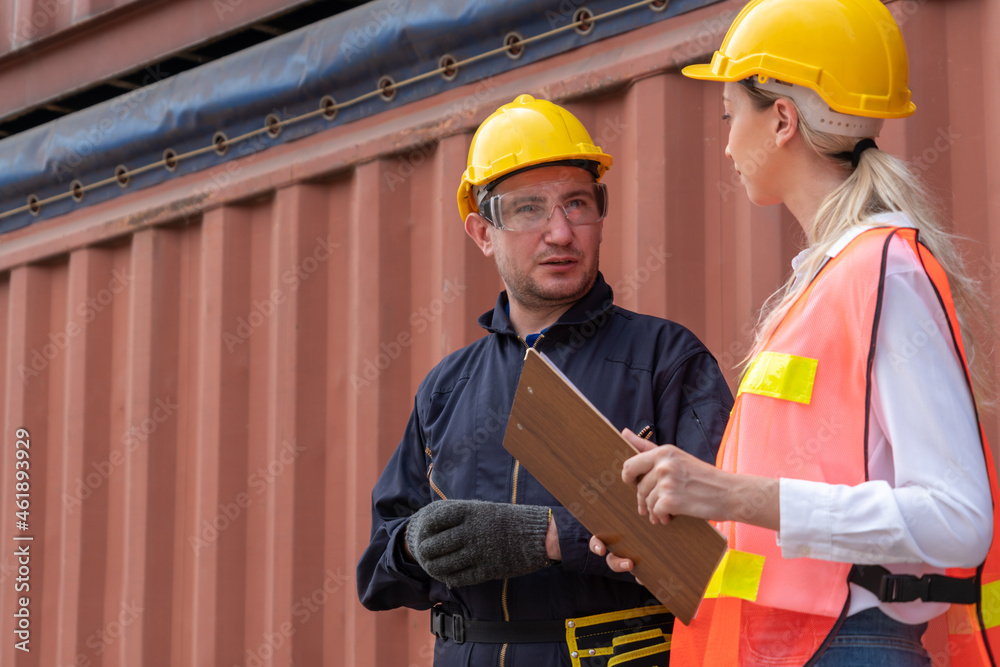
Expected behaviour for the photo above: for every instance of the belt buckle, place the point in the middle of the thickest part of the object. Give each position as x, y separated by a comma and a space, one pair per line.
439, 625
458, 628
437, 622
903, 588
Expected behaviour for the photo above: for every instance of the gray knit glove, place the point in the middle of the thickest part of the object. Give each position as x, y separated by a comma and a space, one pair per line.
466, 542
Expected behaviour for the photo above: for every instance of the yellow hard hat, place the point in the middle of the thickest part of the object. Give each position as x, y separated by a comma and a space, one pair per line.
850, 52
524, 133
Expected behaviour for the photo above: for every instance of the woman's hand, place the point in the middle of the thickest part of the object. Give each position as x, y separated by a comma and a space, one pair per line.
670, 481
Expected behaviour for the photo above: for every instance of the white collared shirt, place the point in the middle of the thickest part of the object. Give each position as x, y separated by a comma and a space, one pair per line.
927, 503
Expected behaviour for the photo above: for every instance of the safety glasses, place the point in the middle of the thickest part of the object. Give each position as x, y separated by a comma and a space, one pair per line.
530, 208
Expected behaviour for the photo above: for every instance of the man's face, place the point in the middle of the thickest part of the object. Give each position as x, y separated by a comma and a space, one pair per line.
557, 263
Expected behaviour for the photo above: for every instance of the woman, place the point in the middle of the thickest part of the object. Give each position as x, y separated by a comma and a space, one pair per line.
853, 463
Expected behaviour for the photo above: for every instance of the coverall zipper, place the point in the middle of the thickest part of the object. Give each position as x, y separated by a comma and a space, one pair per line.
513, 501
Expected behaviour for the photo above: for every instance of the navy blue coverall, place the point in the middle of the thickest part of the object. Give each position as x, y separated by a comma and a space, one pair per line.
645, 373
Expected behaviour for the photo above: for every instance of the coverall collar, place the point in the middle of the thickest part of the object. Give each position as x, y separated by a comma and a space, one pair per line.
594, 303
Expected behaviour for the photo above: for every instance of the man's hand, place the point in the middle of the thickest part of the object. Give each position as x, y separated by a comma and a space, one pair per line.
615, 563
467, 542
552, 548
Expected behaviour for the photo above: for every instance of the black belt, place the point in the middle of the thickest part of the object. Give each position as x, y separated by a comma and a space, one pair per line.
889, 587
460, 630
451, 625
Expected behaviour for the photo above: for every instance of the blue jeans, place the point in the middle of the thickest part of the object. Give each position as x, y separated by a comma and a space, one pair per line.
872, 639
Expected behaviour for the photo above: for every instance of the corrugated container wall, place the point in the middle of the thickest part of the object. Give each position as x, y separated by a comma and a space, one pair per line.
214, 370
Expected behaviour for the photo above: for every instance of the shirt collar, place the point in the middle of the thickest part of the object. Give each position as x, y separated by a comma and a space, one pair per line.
888, 219
593, 304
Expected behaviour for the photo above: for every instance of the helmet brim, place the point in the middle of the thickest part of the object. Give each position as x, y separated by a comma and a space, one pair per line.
703, 72
707, 72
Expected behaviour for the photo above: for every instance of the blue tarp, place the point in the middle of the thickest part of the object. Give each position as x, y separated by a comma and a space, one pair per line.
343, 56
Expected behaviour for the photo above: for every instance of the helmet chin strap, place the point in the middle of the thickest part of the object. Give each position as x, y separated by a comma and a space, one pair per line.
817, 112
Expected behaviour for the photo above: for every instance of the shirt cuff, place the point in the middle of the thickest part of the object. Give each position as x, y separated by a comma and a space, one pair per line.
397, 561
806, 529
571, 533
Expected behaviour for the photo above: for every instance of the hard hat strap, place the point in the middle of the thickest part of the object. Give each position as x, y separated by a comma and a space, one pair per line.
817, 112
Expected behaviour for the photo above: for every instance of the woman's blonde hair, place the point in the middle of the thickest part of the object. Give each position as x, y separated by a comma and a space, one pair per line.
880, 183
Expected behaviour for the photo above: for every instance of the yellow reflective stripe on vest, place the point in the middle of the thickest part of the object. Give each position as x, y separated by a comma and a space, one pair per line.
779, 375
991, 604
738, 576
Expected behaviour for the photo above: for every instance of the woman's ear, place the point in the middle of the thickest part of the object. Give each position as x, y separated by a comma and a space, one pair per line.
477, 227
786, 120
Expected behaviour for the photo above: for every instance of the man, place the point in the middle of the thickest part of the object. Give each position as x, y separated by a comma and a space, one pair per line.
457, 523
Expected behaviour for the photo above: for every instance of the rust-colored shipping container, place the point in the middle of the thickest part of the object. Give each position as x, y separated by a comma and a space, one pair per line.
213, 366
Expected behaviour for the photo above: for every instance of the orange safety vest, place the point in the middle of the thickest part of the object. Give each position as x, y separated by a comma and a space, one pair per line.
802, 412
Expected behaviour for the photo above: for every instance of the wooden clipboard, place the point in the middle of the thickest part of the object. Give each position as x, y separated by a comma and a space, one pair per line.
577, 454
